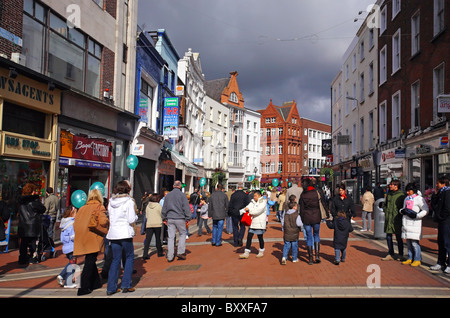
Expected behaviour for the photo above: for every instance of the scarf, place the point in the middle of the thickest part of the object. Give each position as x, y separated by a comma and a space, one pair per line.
344, 196
310, 188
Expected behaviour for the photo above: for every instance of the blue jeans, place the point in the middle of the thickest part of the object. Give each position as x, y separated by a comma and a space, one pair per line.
287, 247
414, 252
113, 276
69, 270
217, 232
312, 233
340, 254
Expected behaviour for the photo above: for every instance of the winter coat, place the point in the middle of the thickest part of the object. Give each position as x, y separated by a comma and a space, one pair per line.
367, 200
281, 202
294, 190
51, 205
67, 234
346, 205
238, 201
204, 211
291, 223
153, 214
412, 227
440, 203
122, 216
218, 205
30, 216
257, 210
176, 206
392, 218
342, 227
309, 206
86, 241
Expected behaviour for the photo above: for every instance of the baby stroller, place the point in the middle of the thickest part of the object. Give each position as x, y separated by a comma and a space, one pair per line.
45, 243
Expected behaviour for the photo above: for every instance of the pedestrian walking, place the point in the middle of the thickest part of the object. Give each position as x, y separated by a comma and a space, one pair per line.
218, 210
203, 216
440, 202
295, 189
89, 243
51, 204
291, 224
367, 201
176, 214
30, 224
67, 237
342, 201
238, 200
257, 209
122, 215
414, 209
281, 201
342, 228
311, 217
393, 219
153, 225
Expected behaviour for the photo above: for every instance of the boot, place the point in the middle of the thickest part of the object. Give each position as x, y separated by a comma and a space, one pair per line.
317, 250
261, 253
245, 255
310, 255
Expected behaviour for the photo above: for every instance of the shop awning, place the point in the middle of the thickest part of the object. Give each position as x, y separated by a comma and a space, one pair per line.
179, 158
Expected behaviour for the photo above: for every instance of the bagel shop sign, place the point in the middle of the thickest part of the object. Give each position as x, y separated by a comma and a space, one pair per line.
28, 92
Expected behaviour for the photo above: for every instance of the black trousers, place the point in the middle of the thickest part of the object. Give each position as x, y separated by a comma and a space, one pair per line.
90, 279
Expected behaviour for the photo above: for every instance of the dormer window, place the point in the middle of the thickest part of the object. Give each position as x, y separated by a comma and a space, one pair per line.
233, 98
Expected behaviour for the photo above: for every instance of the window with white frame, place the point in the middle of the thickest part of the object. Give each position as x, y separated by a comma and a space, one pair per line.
396, 112
361, 87
415, 33
382, 122
396, 42
361, 51
361, 134
383, 20
371, 135
396, 7
371, 79
383, 65
233, 98
438, 88
415, 104
280, 149
439, 14
354, 139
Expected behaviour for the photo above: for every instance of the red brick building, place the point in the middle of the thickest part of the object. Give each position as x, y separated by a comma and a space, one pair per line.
281, 143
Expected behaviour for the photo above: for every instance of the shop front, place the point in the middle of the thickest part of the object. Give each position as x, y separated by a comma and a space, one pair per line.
428, 158
28, 123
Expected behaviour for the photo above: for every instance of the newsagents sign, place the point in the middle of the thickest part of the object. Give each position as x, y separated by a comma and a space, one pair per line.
170, 117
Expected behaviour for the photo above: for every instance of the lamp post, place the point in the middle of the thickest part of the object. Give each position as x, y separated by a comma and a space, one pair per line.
219, 150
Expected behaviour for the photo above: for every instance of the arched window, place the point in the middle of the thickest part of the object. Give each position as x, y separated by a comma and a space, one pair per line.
233, 98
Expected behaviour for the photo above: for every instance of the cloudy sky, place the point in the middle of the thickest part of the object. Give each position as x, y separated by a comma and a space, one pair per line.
282, 50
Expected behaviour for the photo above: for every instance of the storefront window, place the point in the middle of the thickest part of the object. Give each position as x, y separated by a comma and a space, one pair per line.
443, 165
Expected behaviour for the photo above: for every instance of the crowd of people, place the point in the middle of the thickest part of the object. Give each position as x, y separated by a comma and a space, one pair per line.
109, 227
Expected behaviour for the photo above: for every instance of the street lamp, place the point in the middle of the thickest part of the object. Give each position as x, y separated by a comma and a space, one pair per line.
219, 150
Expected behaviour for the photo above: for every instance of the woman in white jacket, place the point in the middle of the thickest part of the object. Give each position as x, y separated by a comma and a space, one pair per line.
122, 215
414, 209
257, 209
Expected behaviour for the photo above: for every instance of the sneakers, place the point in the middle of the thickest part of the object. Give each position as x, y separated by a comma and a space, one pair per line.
283, 261
415, 263
436, 267
407, 262
447, 270
60, 280
388, 258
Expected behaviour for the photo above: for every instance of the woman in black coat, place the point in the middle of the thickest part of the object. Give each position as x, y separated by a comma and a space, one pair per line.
342, 202
30, 223
342, 228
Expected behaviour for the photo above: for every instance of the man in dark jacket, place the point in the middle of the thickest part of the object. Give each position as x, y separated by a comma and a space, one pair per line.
30, 223
440, 202
176, 214
239, 200
218, 207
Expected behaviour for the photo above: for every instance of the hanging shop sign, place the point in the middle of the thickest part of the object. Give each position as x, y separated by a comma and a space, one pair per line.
170, 117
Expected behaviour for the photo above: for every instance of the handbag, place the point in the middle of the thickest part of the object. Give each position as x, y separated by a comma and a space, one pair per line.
95, 227
323, 211
246, 219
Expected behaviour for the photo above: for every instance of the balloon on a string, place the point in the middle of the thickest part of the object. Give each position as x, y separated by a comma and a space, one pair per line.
132, 162
99, 186
202, 182
78, 198
275, 182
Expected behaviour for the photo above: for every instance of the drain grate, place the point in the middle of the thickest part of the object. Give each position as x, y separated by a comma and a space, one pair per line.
178, 268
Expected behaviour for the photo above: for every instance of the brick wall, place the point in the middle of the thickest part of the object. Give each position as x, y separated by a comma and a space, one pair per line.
107, 79
11, 19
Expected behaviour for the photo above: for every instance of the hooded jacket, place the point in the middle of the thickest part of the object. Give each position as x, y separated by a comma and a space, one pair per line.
412, 227
122, 215
257, 210
67, 234
153, 214
342, 228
